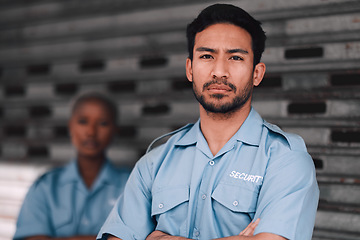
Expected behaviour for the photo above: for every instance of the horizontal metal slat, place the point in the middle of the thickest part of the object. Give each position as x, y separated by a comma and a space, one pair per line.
347, 222
340, 193
16, 11
329, 234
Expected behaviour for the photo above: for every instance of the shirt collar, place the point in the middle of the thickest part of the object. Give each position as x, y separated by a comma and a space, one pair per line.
249, 132
107, 174
72, 174
191, 136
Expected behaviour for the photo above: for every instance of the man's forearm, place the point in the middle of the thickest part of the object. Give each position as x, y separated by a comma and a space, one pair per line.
43, 237
248, 231
158, 235
260, 236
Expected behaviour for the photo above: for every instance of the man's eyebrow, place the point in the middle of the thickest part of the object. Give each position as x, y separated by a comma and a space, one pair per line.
237, 50
205, 49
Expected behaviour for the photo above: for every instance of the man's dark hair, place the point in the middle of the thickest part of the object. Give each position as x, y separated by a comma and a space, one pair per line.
226, 13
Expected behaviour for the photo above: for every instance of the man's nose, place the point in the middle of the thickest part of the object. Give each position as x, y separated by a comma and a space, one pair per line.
220, 69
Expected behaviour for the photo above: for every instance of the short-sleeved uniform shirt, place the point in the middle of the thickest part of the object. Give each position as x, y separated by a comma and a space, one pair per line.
180, 188
59, 204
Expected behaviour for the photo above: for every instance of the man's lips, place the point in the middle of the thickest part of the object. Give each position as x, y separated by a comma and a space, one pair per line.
219, 88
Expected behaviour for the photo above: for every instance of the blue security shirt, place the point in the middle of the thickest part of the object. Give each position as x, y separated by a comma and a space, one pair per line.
180, 188
59, 204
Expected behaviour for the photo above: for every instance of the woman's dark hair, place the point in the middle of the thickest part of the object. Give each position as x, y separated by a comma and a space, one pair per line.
226, 13
95, 96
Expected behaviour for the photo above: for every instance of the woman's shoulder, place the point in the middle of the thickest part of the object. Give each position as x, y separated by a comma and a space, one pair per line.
51, 177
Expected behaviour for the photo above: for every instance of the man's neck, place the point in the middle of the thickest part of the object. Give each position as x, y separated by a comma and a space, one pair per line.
218, 128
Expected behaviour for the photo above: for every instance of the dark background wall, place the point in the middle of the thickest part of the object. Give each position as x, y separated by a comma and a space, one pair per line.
135, 51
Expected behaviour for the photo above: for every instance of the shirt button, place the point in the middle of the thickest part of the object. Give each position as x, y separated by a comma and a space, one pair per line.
203, 196
211, 163
197, 233
161, 205
235, 203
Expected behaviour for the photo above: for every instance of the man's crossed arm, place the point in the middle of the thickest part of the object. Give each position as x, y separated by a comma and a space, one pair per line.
246, 234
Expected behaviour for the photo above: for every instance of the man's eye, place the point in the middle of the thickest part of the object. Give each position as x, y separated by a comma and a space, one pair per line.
206, 56
237, 58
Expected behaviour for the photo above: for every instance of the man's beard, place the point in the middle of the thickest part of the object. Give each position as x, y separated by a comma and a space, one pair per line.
228, 107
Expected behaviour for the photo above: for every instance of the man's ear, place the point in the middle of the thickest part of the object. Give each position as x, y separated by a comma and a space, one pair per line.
259, 73
189, 72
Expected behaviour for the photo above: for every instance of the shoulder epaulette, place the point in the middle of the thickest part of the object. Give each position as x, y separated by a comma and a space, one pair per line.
150, 147
295, 141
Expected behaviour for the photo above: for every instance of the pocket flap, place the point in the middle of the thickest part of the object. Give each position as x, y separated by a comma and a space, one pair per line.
168, 198
237, 198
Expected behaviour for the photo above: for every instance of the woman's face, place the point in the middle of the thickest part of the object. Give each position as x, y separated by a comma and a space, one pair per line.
92, 128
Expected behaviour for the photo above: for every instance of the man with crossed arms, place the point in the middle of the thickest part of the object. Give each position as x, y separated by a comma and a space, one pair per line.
229, 171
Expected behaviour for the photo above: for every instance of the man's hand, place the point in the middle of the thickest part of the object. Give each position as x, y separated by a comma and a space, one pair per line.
44, 237
250, 229
158, 235
247, 233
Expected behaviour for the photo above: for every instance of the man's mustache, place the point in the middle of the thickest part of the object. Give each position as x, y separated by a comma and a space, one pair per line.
219, 81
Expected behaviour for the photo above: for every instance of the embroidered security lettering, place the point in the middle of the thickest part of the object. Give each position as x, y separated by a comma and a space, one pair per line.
245, 176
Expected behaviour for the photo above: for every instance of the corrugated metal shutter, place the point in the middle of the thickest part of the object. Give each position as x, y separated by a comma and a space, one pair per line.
135, 50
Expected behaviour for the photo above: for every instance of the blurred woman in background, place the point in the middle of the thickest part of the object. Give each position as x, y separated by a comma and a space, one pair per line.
73, 201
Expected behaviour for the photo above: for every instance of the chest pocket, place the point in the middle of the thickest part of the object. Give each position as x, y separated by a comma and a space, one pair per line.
169, 198
63, 222
170, 208
237, 198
